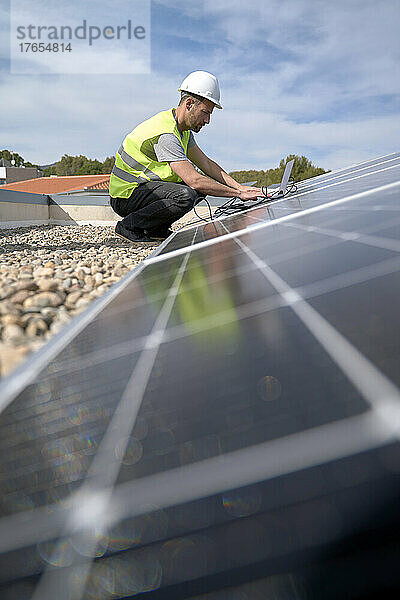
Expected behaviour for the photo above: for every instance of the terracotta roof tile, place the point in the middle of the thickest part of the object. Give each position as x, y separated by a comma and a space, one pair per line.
57, 185
101, 185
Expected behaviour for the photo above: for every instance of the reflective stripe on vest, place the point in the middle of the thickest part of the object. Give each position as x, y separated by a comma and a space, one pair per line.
134, 167
127, 176
129, 160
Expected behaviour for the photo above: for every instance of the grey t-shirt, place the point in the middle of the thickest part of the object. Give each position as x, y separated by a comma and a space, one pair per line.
168, 148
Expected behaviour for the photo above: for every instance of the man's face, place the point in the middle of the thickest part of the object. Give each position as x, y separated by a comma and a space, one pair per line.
199, 114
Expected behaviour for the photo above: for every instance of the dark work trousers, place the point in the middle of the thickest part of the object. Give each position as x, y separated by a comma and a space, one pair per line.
155, 204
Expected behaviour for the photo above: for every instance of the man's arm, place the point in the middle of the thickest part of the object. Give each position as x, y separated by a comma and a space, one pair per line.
212, 169
205, 185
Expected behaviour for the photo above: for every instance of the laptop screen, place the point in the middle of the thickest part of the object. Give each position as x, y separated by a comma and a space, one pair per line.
286, 175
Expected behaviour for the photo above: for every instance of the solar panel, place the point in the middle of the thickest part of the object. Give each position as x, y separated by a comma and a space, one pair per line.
223, 423
312, 192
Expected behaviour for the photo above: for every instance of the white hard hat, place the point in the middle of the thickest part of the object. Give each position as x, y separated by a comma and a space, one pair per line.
202, 84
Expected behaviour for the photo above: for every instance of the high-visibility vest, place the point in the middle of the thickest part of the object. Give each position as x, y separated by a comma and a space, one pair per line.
136, 162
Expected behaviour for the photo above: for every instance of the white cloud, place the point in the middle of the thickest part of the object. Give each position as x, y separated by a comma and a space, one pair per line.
269, 137
77, 114
292, 73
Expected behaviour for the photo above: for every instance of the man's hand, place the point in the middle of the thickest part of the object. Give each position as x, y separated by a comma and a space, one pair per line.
201, 183
247, 188
249, 193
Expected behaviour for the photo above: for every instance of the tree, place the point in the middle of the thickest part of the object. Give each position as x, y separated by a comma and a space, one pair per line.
108, 164
68, 165
80, 165
49, 171
10, 156
302, 169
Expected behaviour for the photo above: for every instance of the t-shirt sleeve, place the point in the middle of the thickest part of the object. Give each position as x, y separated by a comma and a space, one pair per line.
168, 148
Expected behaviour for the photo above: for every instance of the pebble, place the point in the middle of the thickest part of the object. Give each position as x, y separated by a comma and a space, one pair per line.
25, 275
44, 272
25, 318
20, 297
12, 333
29, 284
98, 279
82, 302
8, 308
47, 285
11, 320
43, 299
88, 279
66, 283
72, 298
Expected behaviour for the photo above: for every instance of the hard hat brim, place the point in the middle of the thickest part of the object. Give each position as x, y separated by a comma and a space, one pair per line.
216, 104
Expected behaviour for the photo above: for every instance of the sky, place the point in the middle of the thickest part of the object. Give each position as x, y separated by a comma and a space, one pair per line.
307, 77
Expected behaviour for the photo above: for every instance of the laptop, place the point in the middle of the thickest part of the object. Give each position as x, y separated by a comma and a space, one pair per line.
279, 189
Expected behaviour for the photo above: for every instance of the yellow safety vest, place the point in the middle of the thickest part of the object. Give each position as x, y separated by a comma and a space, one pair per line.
135, 161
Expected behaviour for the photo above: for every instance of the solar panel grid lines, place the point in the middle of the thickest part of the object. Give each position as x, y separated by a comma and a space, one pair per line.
315, 187
338, 282
318, 183
264, 225
325, 177
285, 204
104, 469
347, 216
333, 175
119, 350
251, 465
207, 477
383, 396
268, 393
370, 240
337, 174
355, 166
298, 271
